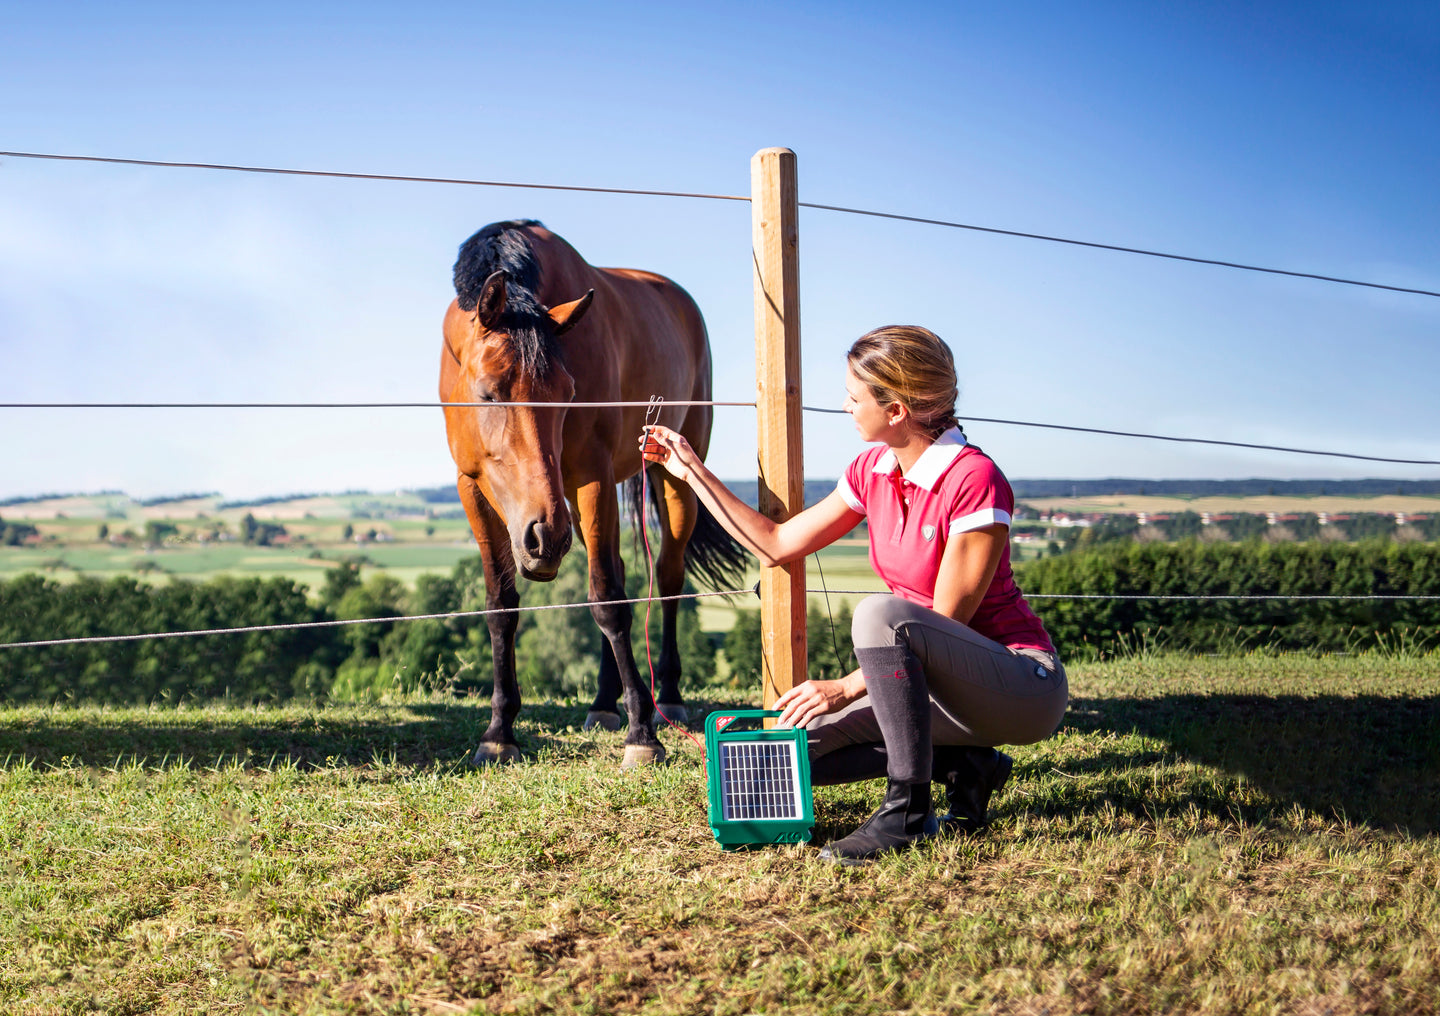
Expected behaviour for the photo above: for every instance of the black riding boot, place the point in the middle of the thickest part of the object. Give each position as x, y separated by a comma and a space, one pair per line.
971, 775
903, 820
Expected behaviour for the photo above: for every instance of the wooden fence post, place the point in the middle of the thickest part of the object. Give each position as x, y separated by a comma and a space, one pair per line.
775, 236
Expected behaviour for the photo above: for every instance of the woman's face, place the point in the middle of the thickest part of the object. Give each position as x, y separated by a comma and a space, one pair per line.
872, 420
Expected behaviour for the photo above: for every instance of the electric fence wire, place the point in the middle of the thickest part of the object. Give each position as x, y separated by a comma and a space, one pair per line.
1183, 596
947, 223
357, 405
296, 625
1075, 428
1168, 437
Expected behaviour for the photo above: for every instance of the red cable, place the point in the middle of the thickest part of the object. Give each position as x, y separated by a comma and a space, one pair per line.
650, 598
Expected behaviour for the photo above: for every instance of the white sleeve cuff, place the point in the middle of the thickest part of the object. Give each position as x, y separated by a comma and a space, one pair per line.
979, 520
848, 496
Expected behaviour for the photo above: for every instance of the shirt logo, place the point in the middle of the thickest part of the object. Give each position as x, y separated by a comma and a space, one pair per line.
928, 532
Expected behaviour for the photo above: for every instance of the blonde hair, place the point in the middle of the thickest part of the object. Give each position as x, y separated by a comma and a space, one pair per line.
912, 366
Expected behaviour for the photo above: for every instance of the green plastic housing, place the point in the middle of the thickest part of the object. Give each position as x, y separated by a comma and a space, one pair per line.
759, 780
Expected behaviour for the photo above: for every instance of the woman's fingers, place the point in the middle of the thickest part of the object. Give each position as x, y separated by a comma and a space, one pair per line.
655, 444
801, 704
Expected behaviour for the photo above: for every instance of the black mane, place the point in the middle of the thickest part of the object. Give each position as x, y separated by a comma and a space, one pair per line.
501, 247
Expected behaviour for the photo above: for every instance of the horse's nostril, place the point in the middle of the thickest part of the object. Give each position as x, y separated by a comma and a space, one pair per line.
533, 542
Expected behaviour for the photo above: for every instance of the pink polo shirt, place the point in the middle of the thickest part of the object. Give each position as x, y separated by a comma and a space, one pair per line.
953, 488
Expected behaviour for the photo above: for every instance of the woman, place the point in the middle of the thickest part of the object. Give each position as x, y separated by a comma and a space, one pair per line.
952, 661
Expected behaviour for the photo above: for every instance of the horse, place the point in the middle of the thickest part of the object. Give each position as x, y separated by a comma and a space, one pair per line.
533, 322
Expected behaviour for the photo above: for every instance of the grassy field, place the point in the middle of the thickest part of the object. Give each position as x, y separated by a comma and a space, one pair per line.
1252, 835
405, 560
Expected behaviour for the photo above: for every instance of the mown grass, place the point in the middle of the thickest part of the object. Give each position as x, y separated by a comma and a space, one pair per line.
1251, 835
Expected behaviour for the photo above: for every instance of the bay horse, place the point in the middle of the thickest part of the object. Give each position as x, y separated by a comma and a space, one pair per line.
533, 322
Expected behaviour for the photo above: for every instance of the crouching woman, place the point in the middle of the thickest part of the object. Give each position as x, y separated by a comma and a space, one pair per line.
953, 661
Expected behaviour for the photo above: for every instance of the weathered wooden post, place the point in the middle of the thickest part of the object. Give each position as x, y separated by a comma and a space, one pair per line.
775, 236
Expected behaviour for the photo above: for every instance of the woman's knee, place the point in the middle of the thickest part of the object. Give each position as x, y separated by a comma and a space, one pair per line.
877, 621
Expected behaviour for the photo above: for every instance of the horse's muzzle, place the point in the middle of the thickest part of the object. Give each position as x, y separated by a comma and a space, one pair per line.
540, 550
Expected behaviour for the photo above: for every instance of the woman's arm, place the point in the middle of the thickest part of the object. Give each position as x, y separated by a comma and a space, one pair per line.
774, 543
966, 570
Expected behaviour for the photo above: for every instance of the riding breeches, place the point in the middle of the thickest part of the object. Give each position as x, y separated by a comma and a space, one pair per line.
981, 692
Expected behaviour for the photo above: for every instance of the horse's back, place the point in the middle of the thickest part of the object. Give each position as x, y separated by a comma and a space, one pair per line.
662, 311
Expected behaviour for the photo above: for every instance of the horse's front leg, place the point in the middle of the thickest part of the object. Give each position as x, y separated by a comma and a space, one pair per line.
678, 510
599, 519
498, 742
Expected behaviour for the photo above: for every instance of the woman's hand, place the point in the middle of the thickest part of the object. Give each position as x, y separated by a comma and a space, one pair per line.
671, 450
813, 699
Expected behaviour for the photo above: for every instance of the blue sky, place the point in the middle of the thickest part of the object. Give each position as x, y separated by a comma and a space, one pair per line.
1300, 136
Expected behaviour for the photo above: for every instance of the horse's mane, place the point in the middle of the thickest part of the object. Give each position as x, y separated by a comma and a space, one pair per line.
501, 247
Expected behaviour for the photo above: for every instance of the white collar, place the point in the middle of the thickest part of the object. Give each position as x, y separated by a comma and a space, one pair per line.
933, 461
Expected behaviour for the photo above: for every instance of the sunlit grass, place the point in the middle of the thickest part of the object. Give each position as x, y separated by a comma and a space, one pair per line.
1231, 835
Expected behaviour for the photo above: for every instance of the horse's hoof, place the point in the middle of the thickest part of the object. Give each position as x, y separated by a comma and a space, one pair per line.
675, 712
603, 719
489, 754
643, 755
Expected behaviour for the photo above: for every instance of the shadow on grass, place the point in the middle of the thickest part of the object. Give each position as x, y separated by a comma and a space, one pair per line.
415, 735
1365, 758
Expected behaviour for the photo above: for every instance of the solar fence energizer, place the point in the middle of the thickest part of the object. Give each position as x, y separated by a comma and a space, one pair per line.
759, 780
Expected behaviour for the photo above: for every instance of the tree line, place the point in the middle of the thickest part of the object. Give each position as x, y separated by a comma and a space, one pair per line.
558, 651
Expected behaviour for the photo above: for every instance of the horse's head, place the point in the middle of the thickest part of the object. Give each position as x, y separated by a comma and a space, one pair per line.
506, 354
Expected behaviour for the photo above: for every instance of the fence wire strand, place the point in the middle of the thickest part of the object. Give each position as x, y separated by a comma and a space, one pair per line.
1166, 437
1180, 596
1074, 428
362, 620
358, 405
375, 176
1119, 249
90, 639
947, 223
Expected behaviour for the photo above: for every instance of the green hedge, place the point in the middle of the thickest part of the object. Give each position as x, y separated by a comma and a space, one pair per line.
1087, 628
252, 667
558, 652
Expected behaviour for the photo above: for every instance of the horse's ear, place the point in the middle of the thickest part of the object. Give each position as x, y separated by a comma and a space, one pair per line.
491, 304
568, 315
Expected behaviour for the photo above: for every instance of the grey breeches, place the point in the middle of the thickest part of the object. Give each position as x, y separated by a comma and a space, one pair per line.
981, 692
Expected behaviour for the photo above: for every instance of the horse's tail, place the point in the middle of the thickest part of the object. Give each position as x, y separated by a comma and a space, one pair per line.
713, 556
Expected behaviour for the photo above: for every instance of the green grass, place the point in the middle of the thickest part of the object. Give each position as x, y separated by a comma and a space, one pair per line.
1249, 835
406, 561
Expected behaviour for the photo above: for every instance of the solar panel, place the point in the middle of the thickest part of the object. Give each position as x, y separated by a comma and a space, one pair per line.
759, 780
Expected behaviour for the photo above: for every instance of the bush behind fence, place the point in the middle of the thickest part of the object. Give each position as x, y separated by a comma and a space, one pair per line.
559, 650
1100, 627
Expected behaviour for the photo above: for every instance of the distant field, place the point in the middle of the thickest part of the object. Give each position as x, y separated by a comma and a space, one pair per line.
1333, 504
406, 561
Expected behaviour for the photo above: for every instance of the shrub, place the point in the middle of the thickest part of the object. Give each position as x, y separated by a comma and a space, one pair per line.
1286, 571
